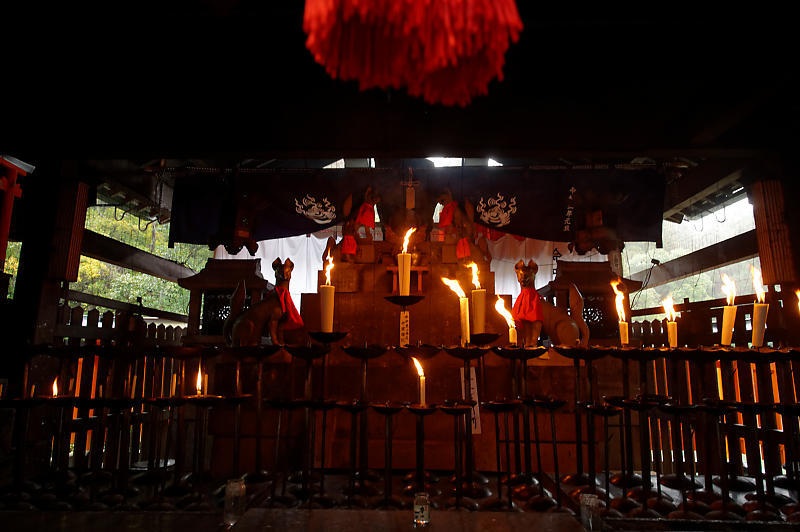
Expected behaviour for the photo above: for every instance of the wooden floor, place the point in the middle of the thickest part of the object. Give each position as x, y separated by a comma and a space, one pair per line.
280, 520
381, 521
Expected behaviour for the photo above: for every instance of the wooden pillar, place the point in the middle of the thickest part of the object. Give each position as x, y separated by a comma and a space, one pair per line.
772, 232
52, 219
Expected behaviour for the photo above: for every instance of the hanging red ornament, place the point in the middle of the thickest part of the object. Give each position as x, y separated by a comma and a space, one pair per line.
446, 51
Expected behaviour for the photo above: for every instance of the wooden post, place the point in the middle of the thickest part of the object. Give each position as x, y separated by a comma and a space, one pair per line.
772, 232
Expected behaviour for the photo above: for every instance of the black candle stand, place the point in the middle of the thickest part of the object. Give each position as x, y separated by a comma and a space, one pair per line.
458, 409
364, 354
419, 484
527, 485
200, 476
284, 499
627, 478
643, 404
388, 501
790, 481
679, 480
354, 408
256, 354
505, 407
580, 479
624, 504
723, 509
537, 501
419, 351
475, 484
22, 408
308, 354
604, 411
161, 427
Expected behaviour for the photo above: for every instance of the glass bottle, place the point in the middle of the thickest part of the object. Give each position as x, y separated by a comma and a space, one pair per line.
422, 510
235, 501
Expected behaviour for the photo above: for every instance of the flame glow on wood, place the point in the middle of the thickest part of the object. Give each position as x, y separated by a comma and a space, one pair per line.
797, 293
475, 280
669, 308
405, 240
328, 269
454, 286
758, 284
500, 307
729, 289
620, 298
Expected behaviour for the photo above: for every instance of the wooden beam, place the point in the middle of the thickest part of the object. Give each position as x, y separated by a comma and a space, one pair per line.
98, 301
107, 249
701, 182
738, 248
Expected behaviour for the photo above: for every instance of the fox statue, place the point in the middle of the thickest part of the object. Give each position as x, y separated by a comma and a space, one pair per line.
534, 315
275, 311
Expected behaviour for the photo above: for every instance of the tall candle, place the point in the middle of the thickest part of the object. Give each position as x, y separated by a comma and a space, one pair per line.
404, 266
500, 307
728, 311
205, 384
172, 385
463, 307
326, 298
672, 325
760, 309
478, 302
619, 302
463, 304
421, 380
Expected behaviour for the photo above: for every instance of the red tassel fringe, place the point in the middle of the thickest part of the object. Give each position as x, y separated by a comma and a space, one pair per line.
446, 51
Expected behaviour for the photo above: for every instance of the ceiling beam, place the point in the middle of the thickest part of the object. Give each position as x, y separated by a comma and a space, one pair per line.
114, 252
738, 248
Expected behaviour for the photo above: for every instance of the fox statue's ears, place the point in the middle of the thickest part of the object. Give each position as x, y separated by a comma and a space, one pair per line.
531, 266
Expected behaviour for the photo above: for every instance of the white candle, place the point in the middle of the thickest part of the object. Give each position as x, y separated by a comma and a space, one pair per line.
728, 319
404, 273
672, 333
326, 305
463, 304
479, 311
623, 333
512, 336
422, 389
205, 384
759, 323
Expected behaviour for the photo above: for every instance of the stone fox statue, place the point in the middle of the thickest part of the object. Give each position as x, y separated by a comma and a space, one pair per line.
276, 310
532, 314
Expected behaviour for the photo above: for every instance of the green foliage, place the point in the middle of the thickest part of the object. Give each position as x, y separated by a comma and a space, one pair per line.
102, 279
12, 265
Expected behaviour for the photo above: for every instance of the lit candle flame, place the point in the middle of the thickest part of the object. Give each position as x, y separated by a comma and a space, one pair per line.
758, 284
55, 387
199, 383
729, 289
328, 269
405, 240
454, 286
619, 300
500, 307
669, 308
475, 280
419, 367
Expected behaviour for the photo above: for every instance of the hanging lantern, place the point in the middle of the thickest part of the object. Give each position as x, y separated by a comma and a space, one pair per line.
445, 51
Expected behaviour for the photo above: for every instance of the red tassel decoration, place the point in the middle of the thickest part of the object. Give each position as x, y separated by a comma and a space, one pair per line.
445, 51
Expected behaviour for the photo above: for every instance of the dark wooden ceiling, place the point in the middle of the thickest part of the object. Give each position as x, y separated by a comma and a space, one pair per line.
232, 80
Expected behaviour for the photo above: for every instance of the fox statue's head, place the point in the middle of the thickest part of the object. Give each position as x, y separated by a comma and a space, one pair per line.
526, 274
283, 271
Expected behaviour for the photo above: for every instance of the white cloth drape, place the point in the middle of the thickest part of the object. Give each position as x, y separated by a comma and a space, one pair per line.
507, 251
306, 254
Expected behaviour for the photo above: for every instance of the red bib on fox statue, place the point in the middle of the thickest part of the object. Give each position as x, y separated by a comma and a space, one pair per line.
292, 317
527, 307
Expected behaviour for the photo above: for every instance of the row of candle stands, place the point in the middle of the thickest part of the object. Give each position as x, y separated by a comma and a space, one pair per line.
643, 501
